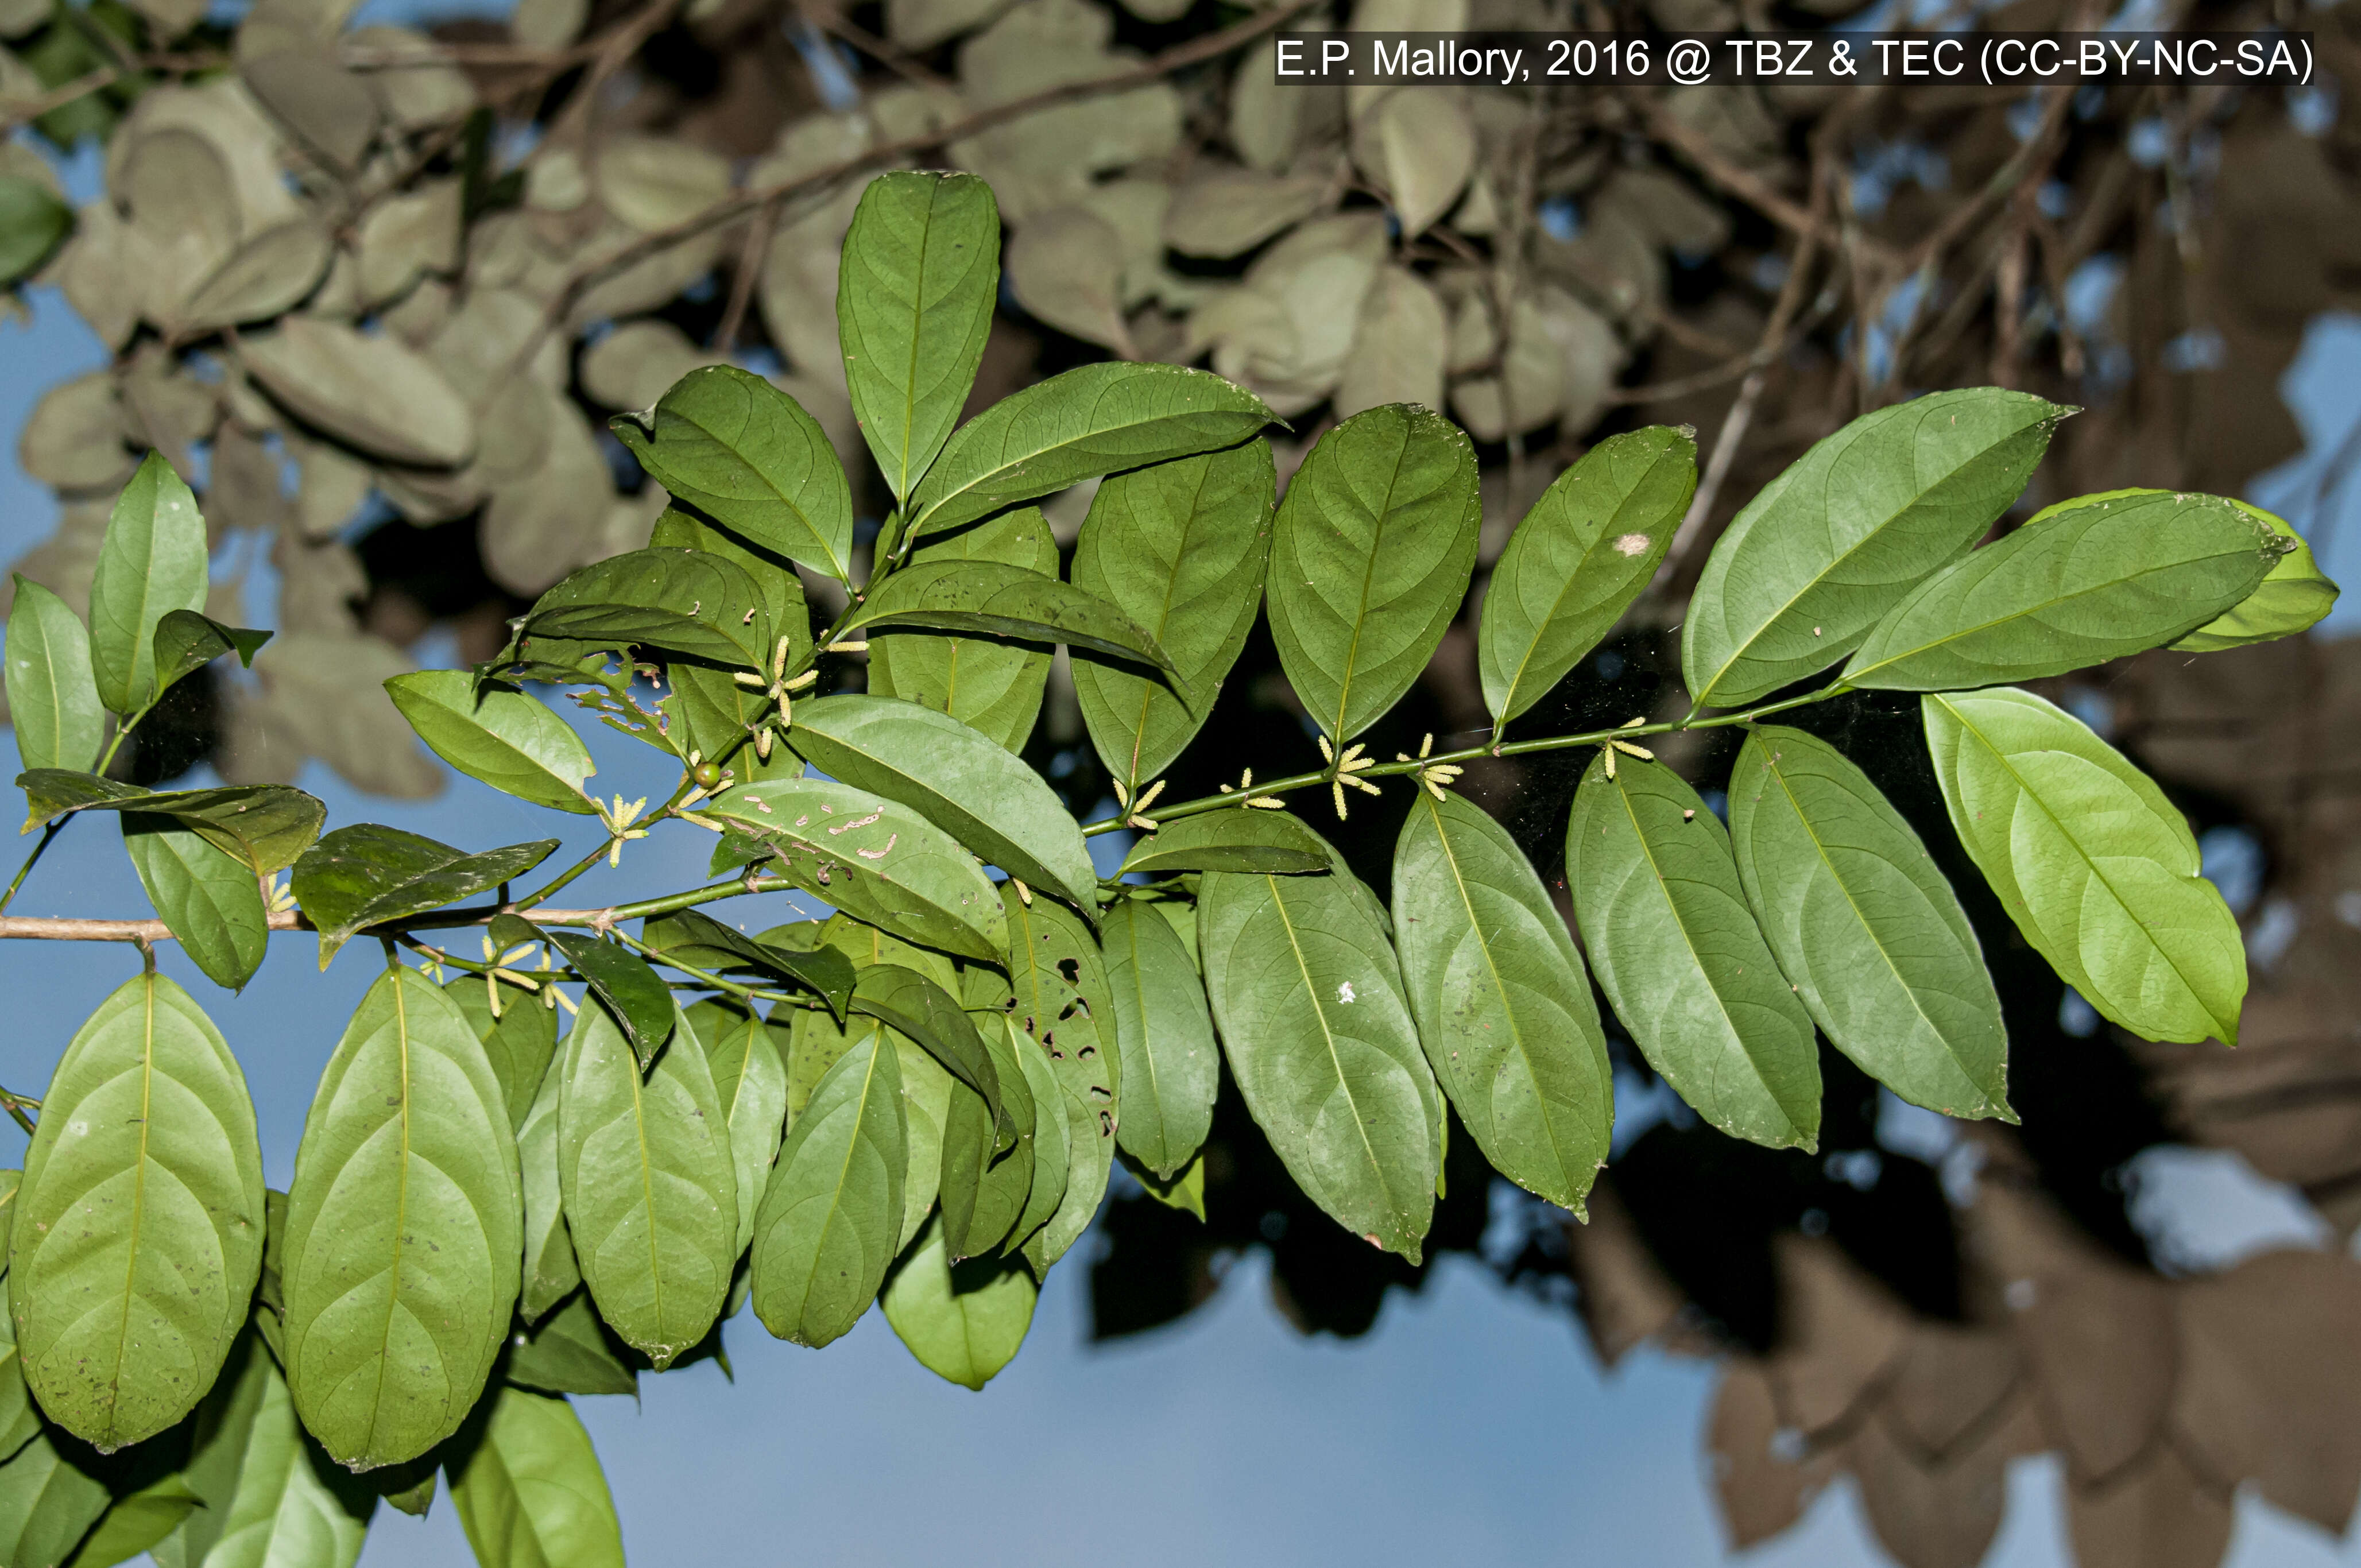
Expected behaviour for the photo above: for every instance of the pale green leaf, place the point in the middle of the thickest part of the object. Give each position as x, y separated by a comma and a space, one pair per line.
2295, 596
287, 1505
1232, 838
134, 1522
994, 598
48, 1503
750, 1079
208, 900
830, 1217
518, 1041
990, 684
500, 735
153, 560
550, 1272
571, 1351
1053, 1143
530, 1493
1171, 1066
52, 695
987, 1172
187, 641
1184, 1191
963, 1323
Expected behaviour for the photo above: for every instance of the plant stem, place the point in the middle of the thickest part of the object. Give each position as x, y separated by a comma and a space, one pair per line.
51, 831
655, 955
17, 1105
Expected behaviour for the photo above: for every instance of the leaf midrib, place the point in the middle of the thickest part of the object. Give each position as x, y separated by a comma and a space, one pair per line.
1557, 600
1148, 689
1369, 576
138, 1189
401, 1202
1328, 1036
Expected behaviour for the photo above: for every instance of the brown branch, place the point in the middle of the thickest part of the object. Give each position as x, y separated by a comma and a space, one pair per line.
54, 928
891, 56
1750, 188
59, 97
613, 53
741, 282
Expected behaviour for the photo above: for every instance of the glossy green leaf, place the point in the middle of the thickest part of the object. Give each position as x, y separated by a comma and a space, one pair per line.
530, 1494
285, 1504
1502, 1004
750, 1079
52, 695
140, 1224
2295, 596
187, 641
2074, 588
968, 785
679, 601
1184, 1191
1370, 556
1171, 1066
990, 684
987, 1172
1586, 551
518, 1041
831, 1216
365, 874
1308, 996
266, 825
635, 994
550, 1272
703, 942
908, 1001
714, 711
994, 598
731, 444
1181, 548
134, 1522
1053, 1146
1092, 419
572, 1351
914, 298
152, 560
497, 735
2091, 861
882, 862
1669, 934
1230, 839
49, 1500
1826, 549
208, 900
1059, 999
1872, 937
651, 1189
404, 1225
965, 1321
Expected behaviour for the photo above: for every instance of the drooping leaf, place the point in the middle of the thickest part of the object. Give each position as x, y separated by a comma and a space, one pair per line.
49, 1498
283, 1501
975, 790
914, 298
1053, 1147
500, 735
1826, 549
265, 826
987, 1171
1184, 1191
530, 1494
1092, 419
1578, 559
1307, 994
963, 1321
404, 1225
994, 598
1879, 949
140, 1224
2091, 861
1171, 1066
831, 1216
772, 573
2294, 596
1502, 1005
135, 1522
698, 939
518, 1041
365, 874
926, 1091
651, 1189
1370, 556
1231, 840
1181, 548
906, 1000
750, 1079
53, 695
635, 994
208, 900
550, 1272
20, 1418
152, 560
187, 641
572, 1351
2074, 588
874, 859
990, 684
729, 443
1665, 923
679, 601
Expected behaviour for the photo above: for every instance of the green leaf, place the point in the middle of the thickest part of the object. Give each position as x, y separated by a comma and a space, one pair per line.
1589, 547
266, 825
964, 1321
973, 788
908, 1001
651, 1189
1875, 941
863, 945
1308, 1000
634, 994
1181, 548
32, 223
1229, 839
404, 1225
1094, 420
152, 560
48, 1503
187, 641
1669, 934
703, 942
1370, 557
134, 1522
499, 736
750, 1078
1184, 1191
874, 859
2072, 588
920, 275
993, 685
679, 601
987, 1171
1502, 1004
52, 696
518, 1041
715, 711
729, 443
2295, 596
208, 900
530, 1494
550, 1272
139, 1221
831, 1215
993, 598
269, 1496
20, 1418
572, 1351
1826, 549
2091, 861
926, 1091
1172, 1068
1053, 1147
360, 876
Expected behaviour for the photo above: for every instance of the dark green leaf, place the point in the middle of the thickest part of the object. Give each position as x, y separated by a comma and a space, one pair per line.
507, 739
831, 1213
1817, 558
679, 601
266, 825
1053, 1148
906, 1000
153, 561
52, 696
992, 685
140, 1220
209, 901
49, 1502
1669, 936
1094, 420
698, 939
963, 1323
1370, 557
2091, 861
1879, 948
530, 1494
518, 1041
134, 1522
1231, 840
993, 598
1172, 1068
362, 875
2294, 596
988, 1156
750, 1078
572, 1352
1586, 551
187, 641
634, 994
32, 223
550, 1271
773, 573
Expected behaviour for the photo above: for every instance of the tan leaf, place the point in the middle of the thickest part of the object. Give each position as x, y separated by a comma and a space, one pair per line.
164, 406
923, 23
372, 392
1271, 124
74, 438
646, 285
266, 277
1839, 1333
328, 108
184, 219
1418, 145
637, 363
329, 693
331, 487
320, 581
1623, 1295
1228, 211
1135, 210
243, 488
479, 347
1066, 267
226, 115
1949, 1380
1399, 16
1932, 1515
546, 523
414, 97
18, 18
653, 183
548, 24
1561, 362
1397, 356
1765, 1475
2157, 1514
797, 287
407, 236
